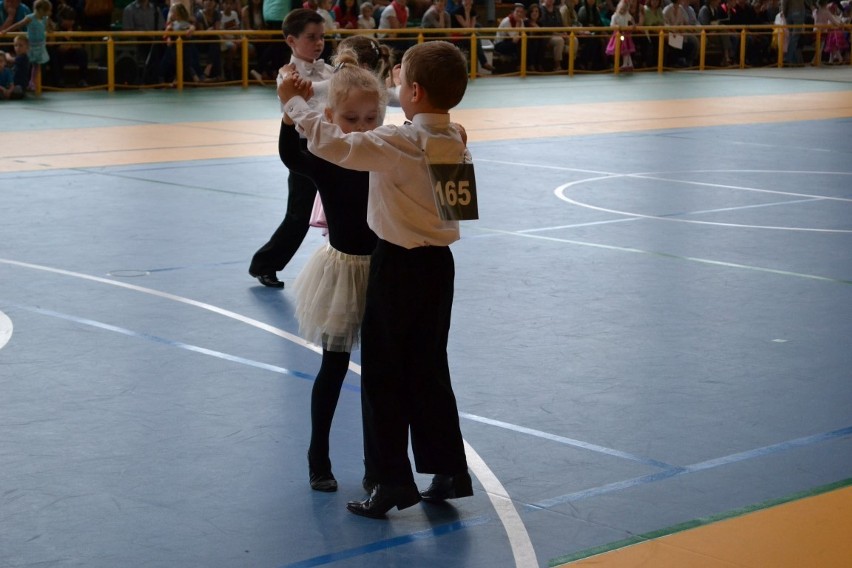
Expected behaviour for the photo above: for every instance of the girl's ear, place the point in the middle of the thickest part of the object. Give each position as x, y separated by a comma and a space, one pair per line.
328, 114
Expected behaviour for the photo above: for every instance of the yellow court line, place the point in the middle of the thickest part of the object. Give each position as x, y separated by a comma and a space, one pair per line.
811, 532
155, 143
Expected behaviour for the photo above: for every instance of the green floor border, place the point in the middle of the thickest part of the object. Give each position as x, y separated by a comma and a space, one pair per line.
703, 521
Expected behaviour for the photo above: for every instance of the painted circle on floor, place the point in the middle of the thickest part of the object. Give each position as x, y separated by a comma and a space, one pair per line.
5, 329
791, 197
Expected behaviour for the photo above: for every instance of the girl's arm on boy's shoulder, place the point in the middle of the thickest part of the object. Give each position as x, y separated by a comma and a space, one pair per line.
373, 151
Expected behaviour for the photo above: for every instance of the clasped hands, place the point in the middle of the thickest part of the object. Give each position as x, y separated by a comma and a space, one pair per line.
292, 84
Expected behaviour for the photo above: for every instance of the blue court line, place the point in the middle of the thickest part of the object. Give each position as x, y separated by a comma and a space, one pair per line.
701, 466
377, 546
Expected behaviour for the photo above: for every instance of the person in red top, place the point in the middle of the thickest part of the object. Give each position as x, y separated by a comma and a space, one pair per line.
394, 17
346, 14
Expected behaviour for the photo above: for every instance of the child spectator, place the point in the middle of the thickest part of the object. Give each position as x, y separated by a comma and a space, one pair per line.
835, 39
304, 31
37, 24
7, 84
405, 380
178, 21
366, 21
66, 51
21, 70
620, 20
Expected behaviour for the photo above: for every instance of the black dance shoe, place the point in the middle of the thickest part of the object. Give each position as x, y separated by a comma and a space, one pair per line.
445, 487
383, 499
321, 477
323, 482
270, 280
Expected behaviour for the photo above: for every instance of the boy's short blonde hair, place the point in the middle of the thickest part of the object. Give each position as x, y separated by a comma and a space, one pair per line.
440, 68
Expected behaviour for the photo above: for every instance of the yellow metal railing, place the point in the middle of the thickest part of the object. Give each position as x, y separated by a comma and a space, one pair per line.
105, 44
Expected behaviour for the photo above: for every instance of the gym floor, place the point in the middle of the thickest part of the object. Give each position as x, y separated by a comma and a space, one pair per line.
651, 344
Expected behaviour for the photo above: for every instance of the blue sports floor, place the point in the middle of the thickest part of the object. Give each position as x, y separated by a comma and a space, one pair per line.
652, 326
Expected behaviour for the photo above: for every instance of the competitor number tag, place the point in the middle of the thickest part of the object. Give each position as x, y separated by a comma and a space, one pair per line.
455, 191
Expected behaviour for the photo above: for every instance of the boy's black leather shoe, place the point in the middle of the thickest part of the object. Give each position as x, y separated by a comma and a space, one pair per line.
269, 280
445, 487
383, 499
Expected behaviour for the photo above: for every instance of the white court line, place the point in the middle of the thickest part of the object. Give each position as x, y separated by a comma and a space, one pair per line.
519, 540
5, 329
668, 255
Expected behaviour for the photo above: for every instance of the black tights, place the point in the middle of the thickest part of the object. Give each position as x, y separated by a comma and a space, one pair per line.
324, 398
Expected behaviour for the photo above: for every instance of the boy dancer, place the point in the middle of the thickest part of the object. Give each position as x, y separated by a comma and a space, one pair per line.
304, 32
405, 373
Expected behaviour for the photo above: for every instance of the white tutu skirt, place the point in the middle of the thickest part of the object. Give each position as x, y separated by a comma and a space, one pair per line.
330, 294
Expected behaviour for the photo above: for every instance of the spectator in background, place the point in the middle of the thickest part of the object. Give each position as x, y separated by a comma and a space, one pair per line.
684, 46
66, 51
229, 46
793, 13
535, 41
6, 79
276, 53
567, 8
653, 16
366, 21
464, 16
12, 12
37, 25
508, 39
97, 14
436, 16
252, 19
144, 16
21, 70
742, 13
592, 46
712, 14
209, 17
395, 17
179, 21
346, 14
557, 42
324, 9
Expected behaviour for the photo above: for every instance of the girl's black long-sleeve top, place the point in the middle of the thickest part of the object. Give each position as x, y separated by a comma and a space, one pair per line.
343, 193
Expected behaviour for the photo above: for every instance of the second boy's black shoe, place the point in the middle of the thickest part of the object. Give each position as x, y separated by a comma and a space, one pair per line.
383, 499
445, 487
269, 280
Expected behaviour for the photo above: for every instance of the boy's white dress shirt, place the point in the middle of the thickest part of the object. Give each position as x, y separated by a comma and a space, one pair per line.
402, 206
